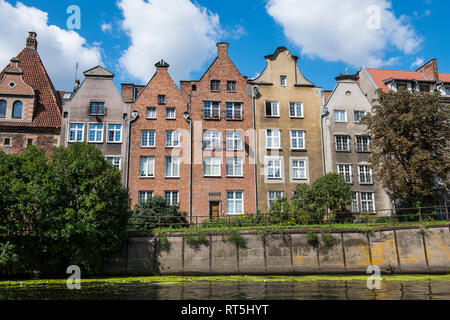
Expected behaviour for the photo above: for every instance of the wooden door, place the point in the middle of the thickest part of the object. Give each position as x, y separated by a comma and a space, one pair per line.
214, 209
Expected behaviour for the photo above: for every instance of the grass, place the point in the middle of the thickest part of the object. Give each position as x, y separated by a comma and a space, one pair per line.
173, 280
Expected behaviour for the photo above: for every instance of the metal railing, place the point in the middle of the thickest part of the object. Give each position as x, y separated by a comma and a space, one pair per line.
335, 221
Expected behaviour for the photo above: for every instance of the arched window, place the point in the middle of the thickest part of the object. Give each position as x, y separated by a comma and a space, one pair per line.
17, 109
2, 108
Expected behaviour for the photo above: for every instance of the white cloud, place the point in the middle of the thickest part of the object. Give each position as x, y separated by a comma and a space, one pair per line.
59, 49
336, 30
106, 27
178, 31
420, 61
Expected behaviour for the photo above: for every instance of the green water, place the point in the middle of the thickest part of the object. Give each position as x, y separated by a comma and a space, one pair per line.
233, 288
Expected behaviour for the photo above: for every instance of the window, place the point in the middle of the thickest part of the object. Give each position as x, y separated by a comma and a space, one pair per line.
211, 110
274, 196
151, 113
215, 85
297, 140
296, 109
235, 202
172, 167
76, 132
355, 203
340, 116
274, 169
365, 174
96, 133
363, 144
148, 139
234, 111
144, 196
172, 139
171, 197
147, 167
211, 140
235, 167
283, 81
171, 114
17, 109
424, 88
29, 142
97, 108
299, 170
231, 86
115, 133
401, 84
7, 142
272, 109
342, 143
358, 115
161, 99
211, 167
2, 108
447, 90
345, 170
115, 161
273, 139
234, 141
367, 202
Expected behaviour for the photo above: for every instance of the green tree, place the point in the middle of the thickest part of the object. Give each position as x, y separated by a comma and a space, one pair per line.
410, 144
149, 214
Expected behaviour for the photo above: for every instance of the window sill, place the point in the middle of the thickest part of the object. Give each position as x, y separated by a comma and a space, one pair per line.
109, 142
299, 150
272, 117
144, 178
363, 151
151, 118
173, 147
235, 177
230, 119
301, 118
171, 178
211, 119
212, 177
143, 147
344, 151
231, 91
171, 119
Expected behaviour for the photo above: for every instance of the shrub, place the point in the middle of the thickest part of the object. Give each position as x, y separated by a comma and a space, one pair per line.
194, 240
312, 238
236, 238
327, 239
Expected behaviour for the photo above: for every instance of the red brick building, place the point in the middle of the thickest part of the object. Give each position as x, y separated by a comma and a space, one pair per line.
159, 140
223, 173
30, 107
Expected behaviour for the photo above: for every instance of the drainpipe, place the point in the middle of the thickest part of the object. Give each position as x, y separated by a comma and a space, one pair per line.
255, 93
189, 120
322, 116
135, 116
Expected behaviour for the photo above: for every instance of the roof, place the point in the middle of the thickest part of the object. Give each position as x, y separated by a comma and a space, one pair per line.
327, 95
381, 75
98, 71
47, 111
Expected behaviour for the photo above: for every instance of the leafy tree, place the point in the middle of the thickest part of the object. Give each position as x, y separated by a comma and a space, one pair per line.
156, 210
410, 144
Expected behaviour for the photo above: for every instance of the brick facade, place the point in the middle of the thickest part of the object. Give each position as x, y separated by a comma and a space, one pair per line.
160, 85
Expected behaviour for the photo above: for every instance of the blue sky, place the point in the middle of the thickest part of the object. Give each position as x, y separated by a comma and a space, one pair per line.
329, 35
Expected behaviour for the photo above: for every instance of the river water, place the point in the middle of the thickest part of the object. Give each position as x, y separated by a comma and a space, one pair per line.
240, 290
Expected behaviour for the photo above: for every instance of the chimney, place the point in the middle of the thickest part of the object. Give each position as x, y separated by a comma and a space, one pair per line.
77, 85
31, 40
222, 49
127, 92
162, 65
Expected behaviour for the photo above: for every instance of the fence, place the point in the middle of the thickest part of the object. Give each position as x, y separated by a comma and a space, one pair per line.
344, 220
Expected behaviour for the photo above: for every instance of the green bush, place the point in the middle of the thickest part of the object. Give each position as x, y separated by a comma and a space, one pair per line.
194, 240
312, 238
236, 238
327, 239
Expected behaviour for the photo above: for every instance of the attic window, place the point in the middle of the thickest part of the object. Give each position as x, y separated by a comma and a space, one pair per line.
12, 84
283, 81
7, 142
194, 87
161, 99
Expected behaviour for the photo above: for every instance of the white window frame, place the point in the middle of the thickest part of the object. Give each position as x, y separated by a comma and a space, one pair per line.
272, 167
212, 162
172, 167
115, 130
145, 195
346, 171
273, 138
172, 139
305, 169
367, 173
147, 113
336, 120
347, 138
213, 138
300, 140
273, 104
365, 201
358, 149
169, 197
293, 106
232, 210
76, 131
355, 202
355, 115
283, 81
212, 105
150, 173
148, 133
235, 164
102, 130
233, 110
270, 201
234, 139
112, 160
169, 115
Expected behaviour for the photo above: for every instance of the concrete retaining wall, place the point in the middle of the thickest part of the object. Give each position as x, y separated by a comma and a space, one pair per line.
400, 250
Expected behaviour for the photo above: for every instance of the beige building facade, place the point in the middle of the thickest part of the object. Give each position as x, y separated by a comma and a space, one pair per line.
287, 121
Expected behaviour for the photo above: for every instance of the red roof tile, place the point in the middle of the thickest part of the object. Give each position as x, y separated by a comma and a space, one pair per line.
47, 111
444, 77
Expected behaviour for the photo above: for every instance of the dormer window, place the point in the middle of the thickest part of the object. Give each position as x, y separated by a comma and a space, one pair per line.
424, 88
161, 99
17, 110
401, 84
97, 108
2, 109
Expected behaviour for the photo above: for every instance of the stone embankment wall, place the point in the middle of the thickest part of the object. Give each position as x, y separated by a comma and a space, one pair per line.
396, 250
